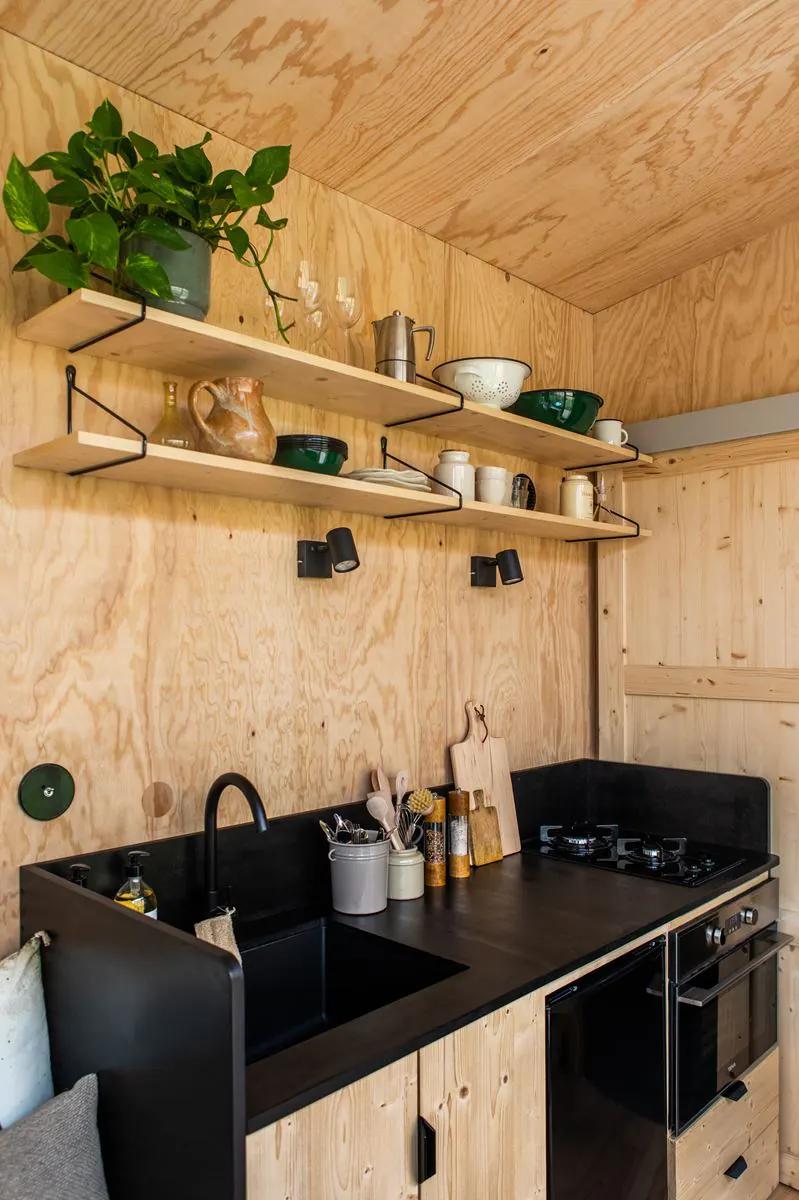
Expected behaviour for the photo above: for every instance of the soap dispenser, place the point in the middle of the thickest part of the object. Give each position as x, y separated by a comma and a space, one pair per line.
135, 892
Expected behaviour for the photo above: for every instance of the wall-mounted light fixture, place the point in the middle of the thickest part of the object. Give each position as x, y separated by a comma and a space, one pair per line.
484, 570
318, 560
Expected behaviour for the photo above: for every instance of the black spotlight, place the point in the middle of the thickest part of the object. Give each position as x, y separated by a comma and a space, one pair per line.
318, 560
484, 570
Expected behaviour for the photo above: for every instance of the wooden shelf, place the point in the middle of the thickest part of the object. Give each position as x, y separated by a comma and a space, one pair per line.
191, 471
177, 345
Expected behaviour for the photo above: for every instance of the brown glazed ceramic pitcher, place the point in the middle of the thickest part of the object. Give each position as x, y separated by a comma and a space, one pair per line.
237, 424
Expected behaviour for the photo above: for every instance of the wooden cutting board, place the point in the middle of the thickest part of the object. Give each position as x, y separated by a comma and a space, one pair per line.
480, 762
485, 844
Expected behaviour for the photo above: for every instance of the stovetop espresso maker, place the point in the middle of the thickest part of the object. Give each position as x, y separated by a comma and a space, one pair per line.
395, 354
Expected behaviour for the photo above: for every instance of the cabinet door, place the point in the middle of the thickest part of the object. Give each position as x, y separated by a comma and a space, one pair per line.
483, 1089
358, 1144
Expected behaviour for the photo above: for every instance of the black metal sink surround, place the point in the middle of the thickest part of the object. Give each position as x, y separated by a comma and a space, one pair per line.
305, 980
161, 1016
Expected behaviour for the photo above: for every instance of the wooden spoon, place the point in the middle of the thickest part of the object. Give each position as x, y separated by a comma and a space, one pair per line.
381, 808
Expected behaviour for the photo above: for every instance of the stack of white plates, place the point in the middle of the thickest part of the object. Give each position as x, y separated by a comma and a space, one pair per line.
414, 481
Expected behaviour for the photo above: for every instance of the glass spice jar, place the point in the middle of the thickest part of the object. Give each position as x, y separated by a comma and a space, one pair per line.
458, 864
435, 844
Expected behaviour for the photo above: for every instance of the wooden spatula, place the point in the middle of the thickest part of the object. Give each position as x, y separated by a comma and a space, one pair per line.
484, 840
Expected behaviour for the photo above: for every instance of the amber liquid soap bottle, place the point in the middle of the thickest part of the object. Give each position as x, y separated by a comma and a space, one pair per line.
135, 892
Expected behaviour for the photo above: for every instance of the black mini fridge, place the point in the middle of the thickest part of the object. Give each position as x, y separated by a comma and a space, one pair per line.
606, 1082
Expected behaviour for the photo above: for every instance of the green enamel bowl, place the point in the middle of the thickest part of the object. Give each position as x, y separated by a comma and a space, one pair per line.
568, 408
311, 452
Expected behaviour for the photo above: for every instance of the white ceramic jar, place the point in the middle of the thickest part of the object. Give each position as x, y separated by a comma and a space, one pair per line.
405, 874
454, 468
577, 497
493, 485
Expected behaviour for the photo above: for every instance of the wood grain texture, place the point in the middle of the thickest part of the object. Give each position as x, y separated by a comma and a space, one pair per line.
480, 761
744, 452
483, 1089
357, 1144
591, 148
725, 1131
611, 639
721, 333
761, 1176
774, 685
152, 638
789, 1050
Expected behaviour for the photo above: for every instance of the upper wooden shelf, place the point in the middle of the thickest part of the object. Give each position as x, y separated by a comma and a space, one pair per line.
193, 471
177, 345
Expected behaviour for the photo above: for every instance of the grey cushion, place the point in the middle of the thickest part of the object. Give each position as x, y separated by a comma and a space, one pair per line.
55, 1152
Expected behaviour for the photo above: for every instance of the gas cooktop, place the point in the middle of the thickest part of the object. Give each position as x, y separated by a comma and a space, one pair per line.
651, 855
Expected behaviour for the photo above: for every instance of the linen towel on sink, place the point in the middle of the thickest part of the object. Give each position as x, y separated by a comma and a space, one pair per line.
25, 1077
218, 930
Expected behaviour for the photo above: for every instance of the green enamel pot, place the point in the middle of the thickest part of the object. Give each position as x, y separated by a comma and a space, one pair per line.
568, 408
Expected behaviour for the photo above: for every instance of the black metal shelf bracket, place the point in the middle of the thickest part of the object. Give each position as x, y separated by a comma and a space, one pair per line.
613, 537
429, 416
426, 512
625, 462
101, 337
72, 389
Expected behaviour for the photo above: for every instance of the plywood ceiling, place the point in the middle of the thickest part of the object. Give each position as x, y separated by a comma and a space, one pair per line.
592, 147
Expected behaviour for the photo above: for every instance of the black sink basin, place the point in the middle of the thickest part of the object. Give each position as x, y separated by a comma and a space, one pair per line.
318, 975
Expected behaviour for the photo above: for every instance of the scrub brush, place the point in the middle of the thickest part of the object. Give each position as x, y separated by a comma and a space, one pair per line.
420, 804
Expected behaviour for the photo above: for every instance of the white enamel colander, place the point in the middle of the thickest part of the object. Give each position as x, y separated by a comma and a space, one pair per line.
495, 382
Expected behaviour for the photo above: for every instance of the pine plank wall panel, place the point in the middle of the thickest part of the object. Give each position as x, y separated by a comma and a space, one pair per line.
151, 639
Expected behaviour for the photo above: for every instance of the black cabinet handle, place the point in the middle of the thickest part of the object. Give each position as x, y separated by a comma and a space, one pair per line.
737, 1169
427, 1150
735, 1090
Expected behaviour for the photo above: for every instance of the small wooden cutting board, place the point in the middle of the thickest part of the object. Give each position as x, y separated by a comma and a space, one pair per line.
480, 763
485, 844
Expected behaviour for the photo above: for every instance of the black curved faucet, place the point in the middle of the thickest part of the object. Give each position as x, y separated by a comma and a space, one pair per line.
250, 794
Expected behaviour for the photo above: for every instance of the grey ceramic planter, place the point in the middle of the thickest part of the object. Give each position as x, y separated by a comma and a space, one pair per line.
189, 274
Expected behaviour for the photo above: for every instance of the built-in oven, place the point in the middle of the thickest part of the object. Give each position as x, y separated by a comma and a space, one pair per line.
723, 993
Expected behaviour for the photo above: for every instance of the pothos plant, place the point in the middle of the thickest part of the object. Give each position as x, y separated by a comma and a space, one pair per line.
119, 187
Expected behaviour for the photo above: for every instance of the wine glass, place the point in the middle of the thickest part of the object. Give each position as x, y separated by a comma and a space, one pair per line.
347, 310
305, 305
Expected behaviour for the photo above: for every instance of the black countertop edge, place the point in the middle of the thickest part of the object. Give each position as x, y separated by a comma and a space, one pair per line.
274, 1087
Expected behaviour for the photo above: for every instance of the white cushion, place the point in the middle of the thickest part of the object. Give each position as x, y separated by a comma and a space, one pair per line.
25, 1077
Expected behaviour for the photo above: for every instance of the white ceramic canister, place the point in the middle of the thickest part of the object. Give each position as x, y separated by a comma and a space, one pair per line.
577, 497
454, 468
405, 874
494, 485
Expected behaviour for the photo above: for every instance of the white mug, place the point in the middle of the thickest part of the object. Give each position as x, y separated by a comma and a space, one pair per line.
493, 485
610, 431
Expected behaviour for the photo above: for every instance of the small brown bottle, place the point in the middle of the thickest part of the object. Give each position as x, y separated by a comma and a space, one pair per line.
458, 864
175, 427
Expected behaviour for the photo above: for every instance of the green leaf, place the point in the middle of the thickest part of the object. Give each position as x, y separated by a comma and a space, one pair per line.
26, 263
269, 165
148, 275
145, 148
125, 151
151, 178
222, 181
193, 164
79, 155
106, 121
250, 197
25, 202
268, 222
62, 266
239, 240
57, 161
70, 192
96, 237
161, 231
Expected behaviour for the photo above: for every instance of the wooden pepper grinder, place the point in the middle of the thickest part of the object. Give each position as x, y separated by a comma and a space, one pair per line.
458, 864
435, 844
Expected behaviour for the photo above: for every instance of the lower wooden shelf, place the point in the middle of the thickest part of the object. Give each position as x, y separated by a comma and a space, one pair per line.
190, 470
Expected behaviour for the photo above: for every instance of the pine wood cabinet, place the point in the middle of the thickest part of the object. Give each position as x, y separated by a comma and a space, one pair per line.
357, 1144
482, 1091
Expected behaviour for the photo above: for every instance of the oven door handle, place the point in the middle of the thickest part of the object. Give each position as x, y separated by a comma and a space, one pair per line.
700, 997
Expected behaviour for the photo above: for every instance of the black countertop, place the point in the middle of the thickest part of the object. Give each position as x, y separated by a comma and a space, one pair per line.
517, 925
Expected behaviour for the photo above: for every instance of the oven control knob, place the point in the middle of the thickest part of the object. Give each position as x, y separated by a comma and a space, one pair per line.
749, 916
715, 935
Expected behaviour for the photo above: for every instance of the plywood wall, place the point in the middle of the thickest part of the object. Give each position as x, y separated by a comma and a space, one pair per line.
150, 639
724, 332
